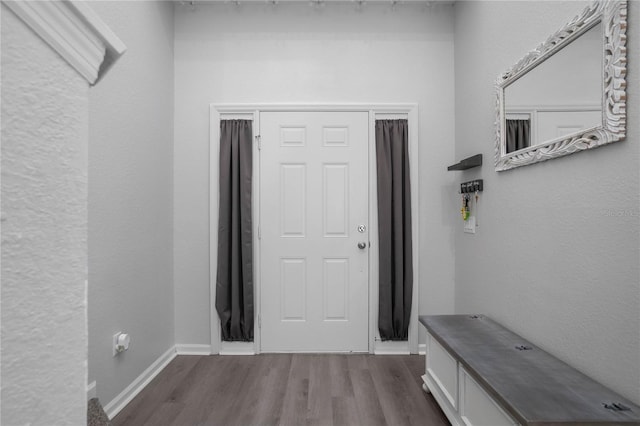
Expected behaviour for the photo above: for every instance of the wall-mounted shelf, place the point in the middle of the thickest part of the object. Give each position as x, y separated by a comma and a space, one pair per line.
467, 163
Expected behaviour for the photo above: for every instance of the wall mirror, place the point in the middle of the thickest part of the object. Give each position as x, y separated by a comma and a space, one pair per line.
568, 94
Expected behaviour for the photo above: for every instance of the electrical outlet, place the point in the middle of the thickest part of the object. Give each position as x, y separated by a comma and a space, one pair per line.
120, 343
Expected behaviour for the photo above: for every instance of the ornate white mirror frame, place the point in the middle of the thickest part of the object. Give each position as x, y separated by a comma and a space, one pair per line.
613, 15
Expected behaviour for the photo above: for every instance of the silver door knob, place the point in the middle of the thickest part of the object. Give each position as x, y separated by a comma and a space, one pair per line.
362, 245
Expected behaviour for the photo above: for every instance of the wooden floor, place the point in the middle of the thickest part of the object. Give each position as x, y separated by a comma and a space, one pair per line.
286, 389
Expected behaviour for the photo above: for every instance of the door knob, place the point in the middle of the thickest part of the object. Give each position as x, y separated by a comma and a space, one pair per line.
362, 245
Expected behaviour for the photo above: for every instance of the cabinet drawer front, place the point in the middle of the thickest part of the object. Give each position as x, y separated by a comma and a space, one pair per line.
477, 408
443, 370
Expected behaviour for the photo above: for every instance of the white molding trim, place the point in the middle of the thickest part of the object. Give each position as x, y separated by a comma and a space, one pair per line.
214, 201
187, 349
75, 32
414, 156
380, 110
91, 390
392, 348
422, 349
237, 348
119, 402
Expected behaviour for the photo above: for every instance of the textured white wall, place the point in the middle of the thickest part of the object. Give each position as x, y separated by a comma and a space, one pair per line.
556, 256
131, 197
44, 228
294, 53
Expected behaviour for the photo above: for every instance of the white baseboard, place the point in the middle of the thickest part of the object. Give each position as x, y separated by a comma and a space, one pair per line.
422, 349
193, 349
237, 348
120, 401
91, 390
391, 348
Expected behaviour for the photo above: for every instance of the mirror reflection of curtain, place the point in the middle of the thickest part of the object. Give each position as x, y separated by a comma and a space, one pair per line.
234, 281
518, 134
394, 229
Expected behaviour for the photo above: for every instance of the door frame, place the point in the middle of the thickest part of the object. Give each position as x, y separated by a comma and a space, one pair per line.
375, 111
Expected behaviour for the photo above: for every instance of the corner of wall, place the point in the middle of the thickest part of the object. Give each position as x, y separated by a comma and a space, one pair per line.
131, 286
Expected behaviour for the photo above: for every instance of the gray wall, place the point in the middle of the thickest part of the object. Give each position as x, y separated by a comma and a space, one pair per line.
295, 54
556, 256
131, 197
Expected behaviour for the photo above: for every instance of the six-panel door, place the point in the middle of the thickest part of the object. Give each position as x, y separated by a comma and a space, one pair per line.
313, 217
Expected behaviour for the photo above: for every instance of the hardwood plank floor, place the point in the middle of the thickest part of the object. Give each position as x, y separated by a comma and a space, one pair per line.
286, 389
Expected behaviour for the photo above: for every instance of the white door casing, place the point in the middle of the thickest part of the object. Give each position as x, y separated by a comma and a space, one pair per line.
253, 112
313, 216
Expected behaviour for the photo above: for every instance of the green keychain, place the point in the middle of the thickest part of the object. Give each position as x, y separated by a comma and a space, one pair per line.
464, 211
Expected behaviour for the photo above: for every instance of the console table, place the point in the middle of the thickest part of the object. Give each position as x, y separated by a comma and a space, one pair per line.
483, 374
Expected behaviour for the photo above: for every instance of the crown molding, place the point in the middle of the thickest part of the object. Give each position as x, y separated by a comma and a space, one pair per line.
75, 32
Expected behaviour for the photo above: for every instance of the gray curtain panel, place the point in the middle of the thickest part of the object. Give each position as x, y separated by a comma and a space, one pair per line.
234, 282
518, 134
394, 229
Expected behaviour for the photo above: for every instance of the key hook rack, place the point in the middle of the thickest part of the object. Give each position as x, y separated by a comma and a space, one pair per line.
471, 186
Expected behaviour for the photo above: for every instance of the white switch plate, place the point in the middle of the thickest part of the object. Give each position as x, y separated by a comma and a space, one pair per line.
470, 225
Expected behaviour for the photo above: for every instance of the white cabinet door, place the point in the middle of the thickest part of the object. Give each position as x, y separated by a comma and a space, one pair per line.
462, 400
477, 408
442, 370
313, 198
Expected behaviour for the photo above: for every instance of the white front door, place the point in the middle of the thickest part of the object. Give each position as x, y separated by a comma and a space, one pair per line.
313, 215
